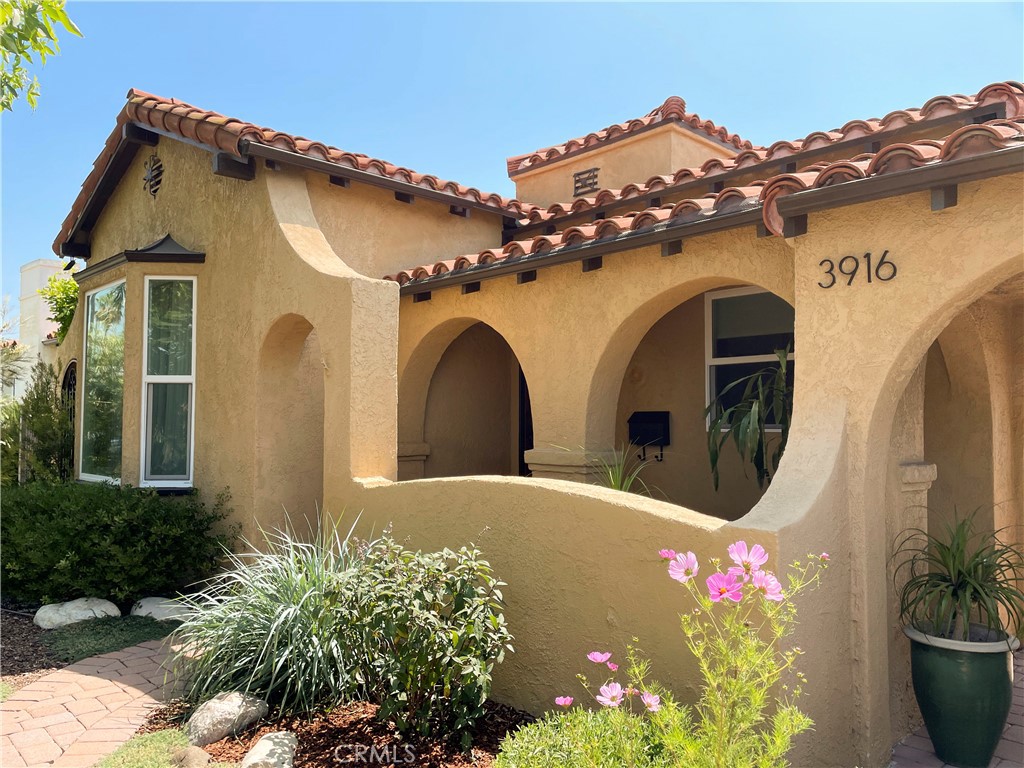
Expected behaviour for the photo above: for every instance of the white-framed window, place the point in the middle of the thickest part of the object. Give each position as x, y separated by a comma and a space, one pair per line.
102, 384
168, 382
742, 329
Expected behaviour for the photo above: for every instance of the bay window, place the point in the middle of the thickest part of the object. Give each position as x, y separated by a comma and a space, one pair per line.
168, 382
103, 384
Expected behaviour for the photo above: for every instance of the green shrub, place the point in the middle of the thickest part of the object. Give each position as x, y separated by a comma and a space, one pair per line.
578, 738
311, 625
38, 431
431, 631
67, 540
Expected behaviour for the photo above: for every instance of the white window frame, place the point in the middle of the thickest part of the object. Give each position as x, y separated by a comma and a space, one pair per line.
85, 364
148, 379
709, 342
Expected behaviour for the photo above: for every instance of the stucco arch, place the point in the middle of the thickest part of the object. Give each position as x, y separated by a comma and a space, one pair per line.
606, 380
417, 387
289, 446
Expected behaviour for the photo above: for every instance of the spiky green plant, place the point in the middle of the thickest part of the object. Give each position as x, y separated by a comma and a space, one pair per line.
767, 400
621, 471
268, 624
957, 578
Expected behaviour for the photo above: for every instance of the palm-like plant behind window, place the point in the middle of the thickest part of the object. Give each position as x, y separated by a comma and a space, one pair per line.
767, 401
957, 578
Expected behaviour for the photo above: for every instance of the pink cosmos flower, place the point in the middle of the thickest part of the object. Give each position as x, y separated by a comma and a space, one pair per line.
667, 554
564, 701
724, 585
683, 567
746, 562
598, 658
765, 583
651, 701
612, 666
611, 695
824, 556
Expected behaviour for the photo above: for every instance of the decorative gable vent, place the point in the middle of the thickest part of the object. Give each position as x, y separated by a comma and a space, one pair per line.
154, 175
584, 181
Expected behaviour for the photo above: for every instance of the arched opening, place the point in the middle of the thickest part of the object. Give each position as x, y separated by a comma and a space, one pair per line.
289, 465
68, 390
477, 418
955, 446
687, 360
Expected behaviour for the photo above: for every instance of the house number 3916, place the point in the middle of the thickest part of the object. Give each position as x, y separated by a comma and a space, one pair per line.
848, 266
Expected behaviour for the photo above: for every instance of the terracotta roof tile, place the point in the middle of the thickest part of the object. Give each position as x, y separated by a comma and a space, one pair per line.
967, 141
673, 109
229, 134
1010, 93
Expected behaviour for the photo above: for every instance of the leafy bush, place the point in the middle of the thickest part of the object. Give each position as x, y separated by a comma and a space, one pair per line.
61, 296
311, 625
38, 431
68, 540
581, 738
745, 715
430, 632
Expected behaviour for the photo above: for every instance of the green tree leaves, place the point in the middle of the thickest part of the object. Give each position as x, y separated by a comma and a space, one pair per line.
28, 36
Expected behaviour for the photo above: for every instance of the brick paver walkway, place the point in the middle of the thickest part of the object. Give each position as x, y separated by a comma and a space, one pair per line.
74, 717
916, 750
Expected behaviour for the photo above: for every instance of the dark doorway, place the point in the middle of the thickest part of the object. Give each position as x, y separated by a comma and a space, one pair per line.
525, 425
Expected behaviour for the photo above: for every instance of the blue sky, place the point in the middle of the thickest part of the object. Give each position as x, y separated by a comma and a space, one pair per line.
452, 89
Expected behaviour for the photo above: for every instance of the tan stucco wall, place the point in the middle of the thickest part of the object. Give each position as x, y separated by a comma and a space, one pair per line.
469, 420
377, 235
668, 373
575, 334
663, 150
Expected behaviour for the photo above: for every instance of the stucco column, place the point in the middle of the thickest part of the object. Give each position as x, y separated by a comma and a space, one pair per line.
579, 465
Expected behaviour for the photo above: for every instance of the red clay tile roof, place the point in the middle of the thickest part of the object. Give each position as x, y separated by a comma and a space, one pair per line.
673, 110
227, 134
1010, 93
970, 140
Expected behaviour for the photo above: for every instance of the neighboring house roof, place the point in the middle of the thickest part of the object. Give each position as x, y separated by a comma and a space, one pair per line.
1009, 93
672, 110
999, 143
233, 136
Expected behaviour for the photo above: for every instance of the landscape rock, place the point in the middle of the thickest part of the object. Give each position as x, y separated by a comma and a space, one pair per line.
224, 715
61, 614
160, 608
275, 750
190, 757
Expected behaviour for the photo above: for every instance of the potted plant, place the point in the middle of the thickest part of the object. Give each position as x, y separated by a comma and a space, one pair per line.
959, 603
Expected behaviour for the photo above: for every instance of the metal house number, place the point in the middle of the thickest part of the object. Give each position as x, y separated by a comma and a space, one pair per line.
882, 270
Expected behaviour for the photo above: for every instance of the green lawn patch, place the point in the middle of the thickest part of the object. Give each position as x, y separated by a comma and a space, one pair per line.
6, 689
111, 633
151, 750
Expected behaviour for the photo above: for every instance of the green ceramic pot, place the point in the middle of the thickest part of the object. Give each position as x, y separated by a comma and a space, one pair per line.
964, 690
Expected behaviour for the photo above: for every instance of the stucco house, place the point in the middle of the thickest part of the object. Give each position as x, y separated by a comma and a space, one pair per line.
237, 329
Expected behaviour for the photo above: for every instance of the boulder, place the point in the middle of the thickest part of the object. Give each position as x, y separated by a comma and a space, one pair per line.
224, 715
61, 614
275, 750
160, 608
190, 757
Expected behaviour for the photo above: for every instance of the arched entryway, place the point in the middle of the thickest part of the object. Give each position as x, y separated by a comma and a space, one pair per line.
476, 416
686, 360
289, 480
955, 446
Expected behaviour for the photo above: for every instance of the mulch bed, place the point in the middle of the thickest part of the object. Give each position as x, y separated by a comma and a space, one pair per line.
334, 738
23, 657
